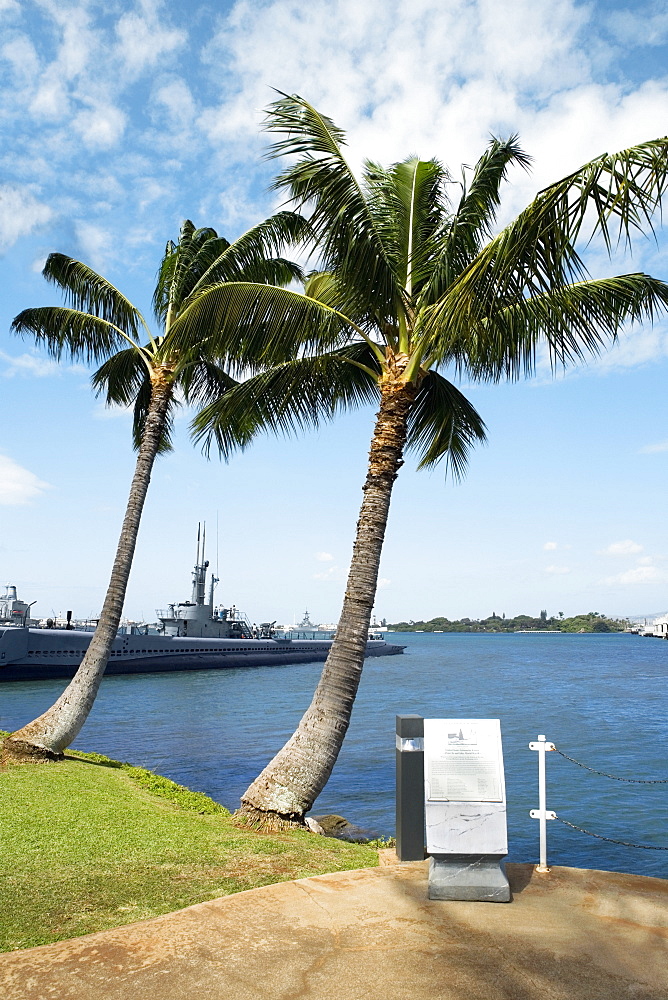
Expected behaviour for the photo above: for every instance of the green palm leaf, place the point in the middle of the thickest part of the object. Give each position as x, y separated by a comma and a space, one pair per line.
473, 221
415, 194
343, 225
443, 424
624, 190
62, 331
289, 398
255, 256
254, 325
120, 378
573, 321
536, 253
88, 291
202, 381
183, 265
476, 213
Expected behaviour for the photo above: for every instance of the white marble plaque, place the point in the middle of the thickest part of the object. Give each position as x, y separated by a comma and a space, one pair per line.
465, 796
464, 761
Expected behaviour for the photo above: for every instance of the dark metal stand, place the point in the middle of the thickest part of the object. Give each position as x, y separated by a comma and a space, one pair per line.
410, 788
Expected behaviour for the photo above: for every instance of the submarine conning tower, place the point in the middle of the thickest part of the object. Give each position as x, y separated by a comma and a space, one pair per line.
198, 619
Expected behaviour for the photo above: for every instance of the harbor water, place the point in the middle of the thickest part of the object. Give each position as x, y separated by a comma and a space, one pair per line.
600, 698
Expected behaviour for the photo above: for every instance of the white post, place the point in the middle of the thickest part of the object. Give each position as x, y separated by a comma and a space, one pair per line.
542, 813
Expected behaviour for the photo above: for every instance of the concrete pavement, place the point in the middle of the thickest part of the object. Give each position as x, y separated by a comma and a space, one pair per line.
372, 934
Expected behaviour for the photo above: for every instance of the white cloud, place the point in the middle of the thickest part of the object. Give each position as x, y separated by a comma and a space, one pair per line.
20, 214
143, 40
177, 101
651, 449
18, 485
333, 573
636, 346
20, 53
641, 574
625, 548
36, 366
383, 582
435, 78
401, 77
557, 570
646, 25
550, 546
50, 99
324, 557
95, 243
103, 412
101, 126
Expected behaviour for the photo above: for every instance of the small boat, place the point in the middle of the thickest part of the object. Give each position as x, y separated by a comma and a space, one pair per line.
193, 635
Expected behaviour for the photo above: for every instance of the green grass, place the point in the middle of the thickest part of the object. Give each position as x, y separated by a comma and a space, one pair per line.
89, 843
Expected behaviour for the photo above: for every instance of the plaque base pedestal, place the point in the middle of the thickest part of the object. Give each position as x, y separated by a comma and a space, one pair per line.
472, 877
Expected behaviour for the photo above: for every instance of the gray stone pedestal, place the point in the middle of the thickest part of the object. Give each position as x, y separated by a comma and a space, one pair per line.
473, 877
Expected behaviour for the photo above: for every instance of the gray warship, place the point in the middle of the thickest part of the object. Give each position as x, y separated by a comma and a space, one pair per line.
193, 635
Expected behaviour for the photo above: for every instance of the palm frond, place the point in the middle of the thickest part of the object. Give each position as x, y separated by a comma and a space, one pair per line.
63, 331
256, 254
87, 291
443, 424
343, 226
574, 321
120, 378
480, 200
289, 398
414, 191
164, 278
253, 325
324, 287
536, 252
183, 265
622, 189
203, 381
473, 220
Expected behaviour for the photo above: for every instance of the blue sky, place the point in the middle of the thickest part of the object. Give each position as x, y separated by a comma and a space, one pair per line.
120, 119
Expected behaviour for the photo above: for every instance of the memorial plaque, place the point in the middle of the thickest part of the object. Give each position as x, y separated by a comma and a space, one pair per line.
465, 809
464, 760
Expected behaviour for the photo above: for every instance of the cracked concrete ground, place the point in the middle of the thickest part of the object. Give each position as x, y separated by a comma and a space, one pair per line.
373, 935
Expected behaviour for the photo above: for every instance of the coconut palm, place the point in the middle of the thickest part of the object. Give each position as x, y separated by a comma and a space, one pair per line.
153, 373
411, 283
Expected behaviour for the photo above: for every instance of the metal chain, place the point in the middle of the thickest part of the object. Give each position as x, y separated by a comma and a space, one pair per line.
636, 781
610, 840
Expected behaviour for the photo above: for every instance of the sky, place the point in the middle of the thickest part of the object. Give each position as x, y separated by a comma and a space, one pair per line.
120, 119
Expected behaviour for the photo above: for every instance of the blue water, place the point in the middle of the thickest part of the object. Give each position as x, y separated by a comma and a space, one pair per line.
599, 698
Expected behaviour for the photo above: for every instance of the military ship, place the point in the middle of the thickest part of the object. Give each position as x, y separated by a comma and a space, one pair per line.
193, 635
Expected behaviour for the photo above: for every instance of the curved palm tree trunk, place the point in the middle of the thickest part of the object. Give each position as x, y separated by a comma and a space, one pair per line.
47, 736
291, 782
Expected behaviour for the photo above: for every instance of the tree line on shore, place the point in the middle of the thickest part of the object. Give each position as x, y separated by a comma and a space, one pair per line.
414, 285
592, 621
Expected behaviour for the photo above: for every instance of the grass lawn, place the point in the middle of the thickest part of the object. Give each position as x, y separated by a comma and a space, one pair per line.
88, 843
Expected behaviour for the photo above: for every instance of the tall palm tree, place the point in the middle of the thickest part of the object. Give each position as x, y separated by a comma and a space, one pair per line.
152, 372
411, 283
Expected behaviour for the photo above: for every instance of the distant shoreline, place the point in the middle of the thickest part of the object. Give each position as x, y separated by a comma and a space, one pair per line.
509, 631
495, 624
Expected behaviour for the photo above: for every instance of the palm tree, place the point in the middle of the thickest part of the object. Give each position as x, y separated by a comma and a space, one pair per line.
99, 324
410, 284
